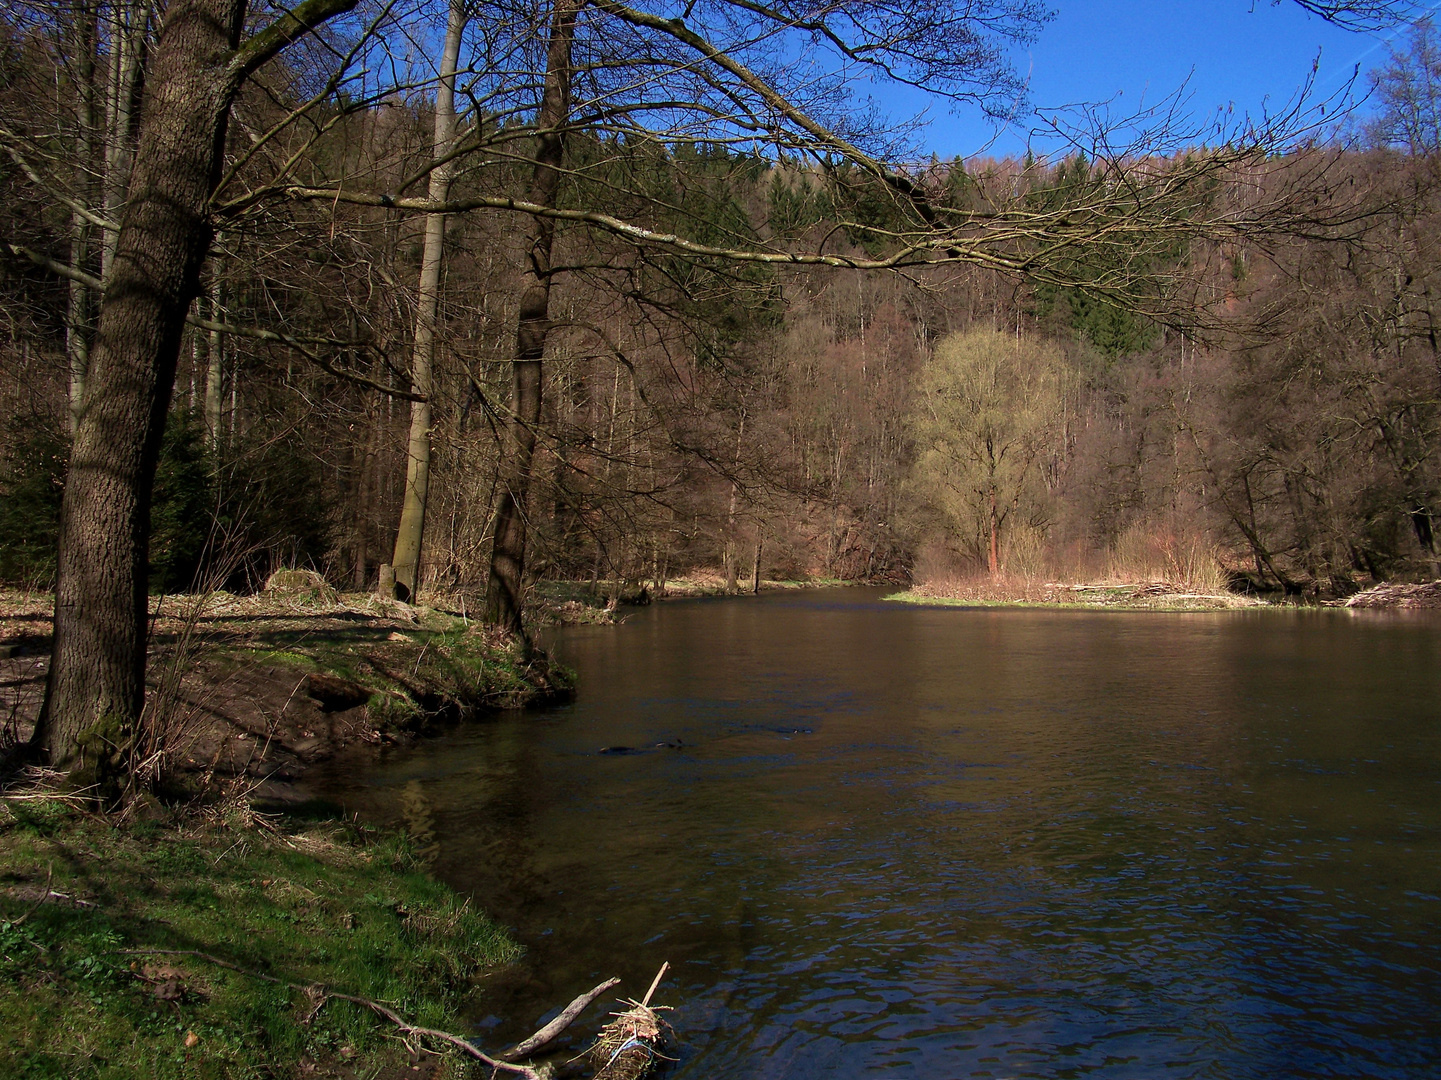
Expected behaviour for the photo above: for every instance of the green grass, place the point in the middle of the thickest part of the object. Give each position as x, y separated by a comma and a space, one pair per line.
314, 903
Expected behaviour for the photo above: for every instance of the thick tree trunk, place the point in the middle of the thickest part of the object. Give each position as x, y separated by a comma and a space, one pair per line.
96, 684
406, 559
507, 561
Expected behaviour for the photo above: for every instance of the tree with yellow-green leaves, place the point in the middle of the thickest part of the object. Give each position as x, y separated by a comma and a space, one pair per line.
989, 413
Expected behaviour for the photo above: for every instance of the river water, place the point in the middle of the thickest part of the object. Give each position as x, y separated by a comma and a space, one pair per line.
966, 843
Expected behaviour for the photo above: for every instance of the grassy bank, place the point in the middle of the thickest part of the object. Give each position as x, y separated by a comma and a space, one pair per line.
87, 906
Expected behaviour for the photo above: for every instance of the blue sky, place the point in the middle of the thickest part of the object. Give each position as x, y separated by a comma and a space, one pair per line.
1249, 55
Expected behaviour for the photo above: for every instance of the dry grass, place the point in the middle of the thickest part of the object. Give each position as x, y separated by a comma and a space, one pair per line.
1147, 569
1189, 562
1010, 591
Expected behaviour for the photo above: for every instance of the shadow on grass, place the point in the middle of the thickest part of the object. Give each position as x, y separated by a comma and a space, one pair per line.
306, 900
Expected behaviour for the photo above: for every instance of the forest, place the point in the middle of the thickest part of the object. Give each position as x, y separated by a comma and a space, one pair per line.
346, 346
452, 300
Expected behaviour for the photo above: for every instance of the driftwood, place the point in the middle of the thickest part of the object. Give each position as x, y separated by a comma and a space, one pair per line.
319, 995
1426, 595
629, 1046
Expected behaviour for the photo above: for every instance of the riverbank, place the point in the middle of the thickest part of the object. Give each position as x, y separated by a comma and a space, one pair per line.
225, 945
258, 688
1021, 593
573, 603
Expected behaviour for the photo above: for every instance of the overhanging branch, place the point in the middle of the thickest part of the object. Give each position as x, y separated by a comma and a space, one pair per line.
299, 343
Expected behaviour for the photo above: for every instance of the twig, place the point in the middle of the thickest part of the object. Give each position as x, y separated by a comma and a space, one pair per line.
44, 895
559, 1024
645, 1001
406, 1028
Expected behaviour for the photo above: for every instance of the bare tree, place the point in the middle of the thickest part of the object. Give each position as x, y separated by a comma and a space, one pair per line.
1408, 89
636, 83
406, 559
507, 564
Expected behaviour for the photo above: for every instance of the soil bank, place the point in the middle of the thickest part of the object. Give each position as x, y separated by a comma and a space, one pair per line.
260, 687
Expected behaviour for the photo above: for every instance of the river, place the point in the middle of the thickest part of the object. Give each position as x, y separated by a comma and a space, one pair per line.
965, 843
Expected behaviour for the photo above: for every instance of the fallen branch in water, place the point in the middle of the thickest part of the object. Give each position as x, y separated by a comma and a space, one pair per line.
559, 1024
322, 994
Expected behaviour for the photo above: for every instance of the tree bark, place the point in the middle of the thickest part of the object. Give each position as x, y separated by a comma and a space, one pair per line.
507, 561
730, 557
406, 558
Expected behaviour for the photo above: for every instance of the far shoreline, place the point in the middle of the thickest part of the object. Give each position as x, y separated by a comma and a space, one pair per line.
1162, 596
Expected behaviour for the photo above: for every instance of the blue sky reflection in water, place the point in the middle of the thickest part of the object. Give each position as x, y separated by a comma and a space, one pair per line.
968, 843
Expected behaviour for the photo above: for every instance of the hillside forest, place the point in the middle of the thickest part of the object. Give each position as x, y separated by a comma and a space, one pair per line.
529, 286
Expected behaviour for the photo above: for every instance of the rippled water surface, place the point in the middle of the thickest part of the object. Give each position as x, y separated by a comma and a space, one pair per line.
967, 843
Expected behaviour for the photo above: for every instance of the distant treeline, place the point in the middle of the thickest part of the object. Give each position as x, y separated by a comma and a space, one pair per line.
1271, 404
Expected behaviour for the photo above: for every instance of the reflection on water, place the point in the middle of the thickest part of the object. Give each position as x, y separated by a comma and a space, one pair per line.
418, 820
968, 843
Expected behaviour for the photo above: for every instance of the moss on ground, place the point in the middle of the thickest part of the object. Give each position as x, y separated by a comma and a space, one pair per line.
424, 671
307, 903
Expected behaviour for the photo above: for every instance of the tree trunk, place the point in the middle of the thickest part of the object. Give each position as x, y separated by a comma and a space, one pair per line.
731, 558
406, 559
361, 529
507, 560
129, 22
1423, 524
77, 313
215, 361
993, 552
96, 683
